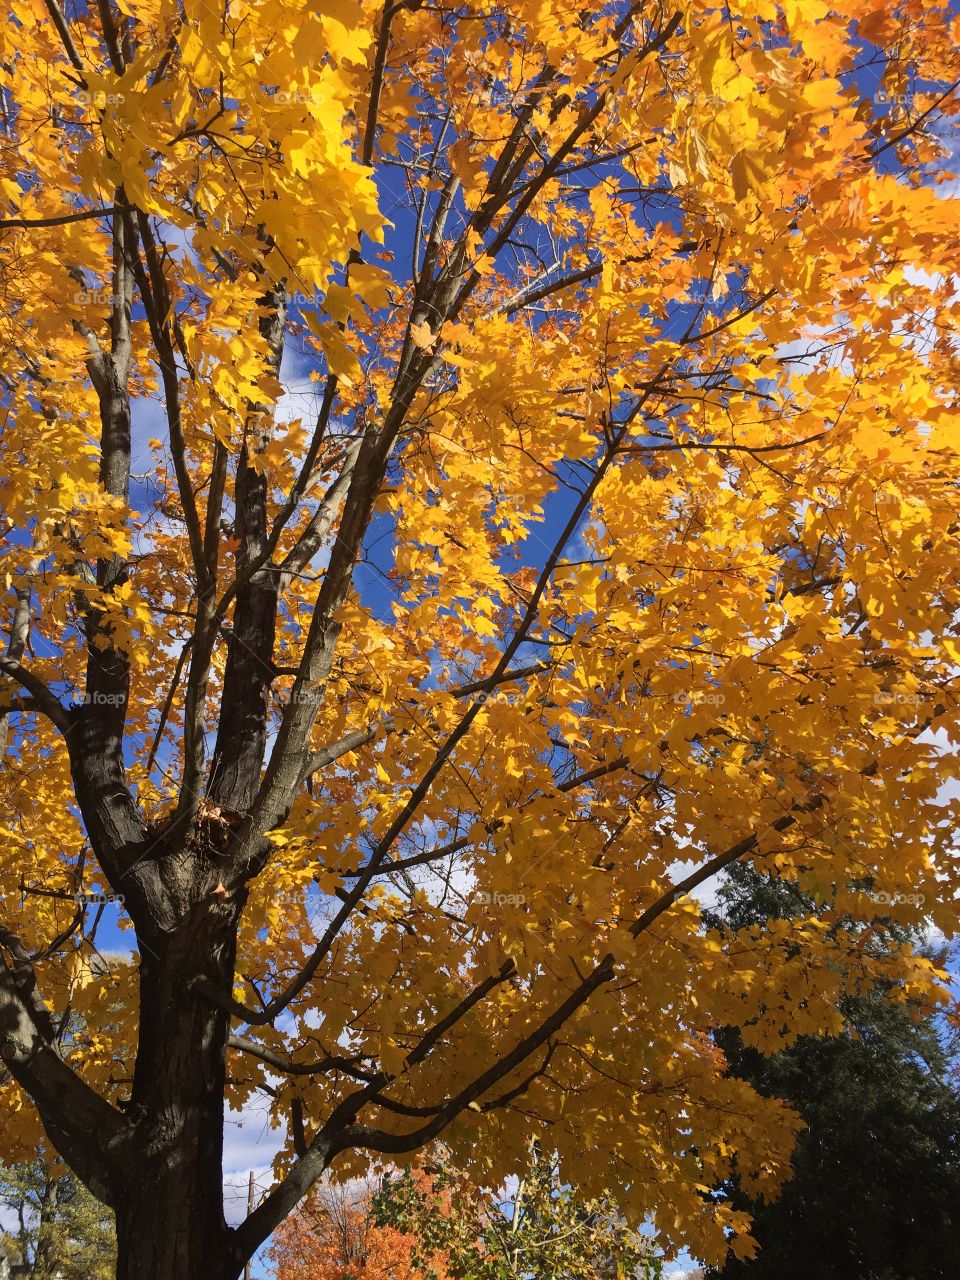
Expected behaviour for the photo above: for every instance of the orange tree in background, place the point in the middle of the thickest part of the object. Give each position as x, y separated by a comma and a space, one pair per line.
615, 538
432, 1223
333, 1236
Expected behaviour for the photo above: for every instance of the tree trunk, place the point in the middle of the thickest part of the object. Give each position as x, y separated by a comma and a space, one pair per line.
170, 1227
170, 1221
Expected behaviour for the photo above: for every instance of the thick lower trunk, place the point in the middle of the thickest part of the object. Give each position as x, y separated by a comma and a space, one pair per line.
170, 1221
170, 1227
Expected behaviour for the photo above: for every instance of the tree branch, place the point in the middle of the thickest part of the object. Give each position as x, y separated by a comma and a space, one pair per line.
46, 701
58, 221
349, 742
85, 1129
319, 1067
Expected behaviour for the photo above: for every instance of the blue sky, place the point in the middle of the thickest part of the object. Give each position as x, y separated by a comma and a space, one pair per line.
250, 1141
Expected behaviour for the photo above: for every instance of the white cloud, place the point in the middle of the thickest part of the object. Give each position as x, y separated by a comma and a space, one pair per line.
249, 1146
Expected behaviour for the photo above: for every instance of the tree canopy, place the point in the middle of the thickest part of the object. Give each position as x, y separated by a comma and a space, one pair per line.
332, 1235
429, 1222
56, 1229
875, 1190
540, 1228
470, 473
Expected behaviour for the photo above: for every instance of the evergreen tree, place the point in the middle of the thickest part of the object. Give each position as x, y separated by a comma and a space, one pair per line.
876, 1188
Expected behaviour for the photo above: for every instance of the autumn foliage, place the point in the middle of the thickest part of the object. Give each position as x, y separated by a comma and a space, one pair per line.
470, 473
333, 1236
429, 1222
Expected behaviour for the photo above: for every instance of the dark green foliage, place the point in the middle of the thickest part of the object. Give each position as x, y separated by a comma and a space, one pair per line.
876, 1189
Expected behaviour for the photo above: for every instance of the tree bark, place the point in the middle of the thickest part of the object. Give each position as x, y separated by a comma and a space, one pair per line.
170, 1220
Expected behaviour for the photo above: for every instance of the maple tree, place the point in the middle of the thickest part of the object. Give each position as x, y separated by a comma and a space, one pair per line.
615, 533
333, 1236
429, 1222
538, 1227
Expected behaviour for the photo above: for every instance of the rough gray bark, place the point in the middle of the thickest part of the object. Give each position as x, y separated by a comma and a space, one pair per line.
170, 1218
